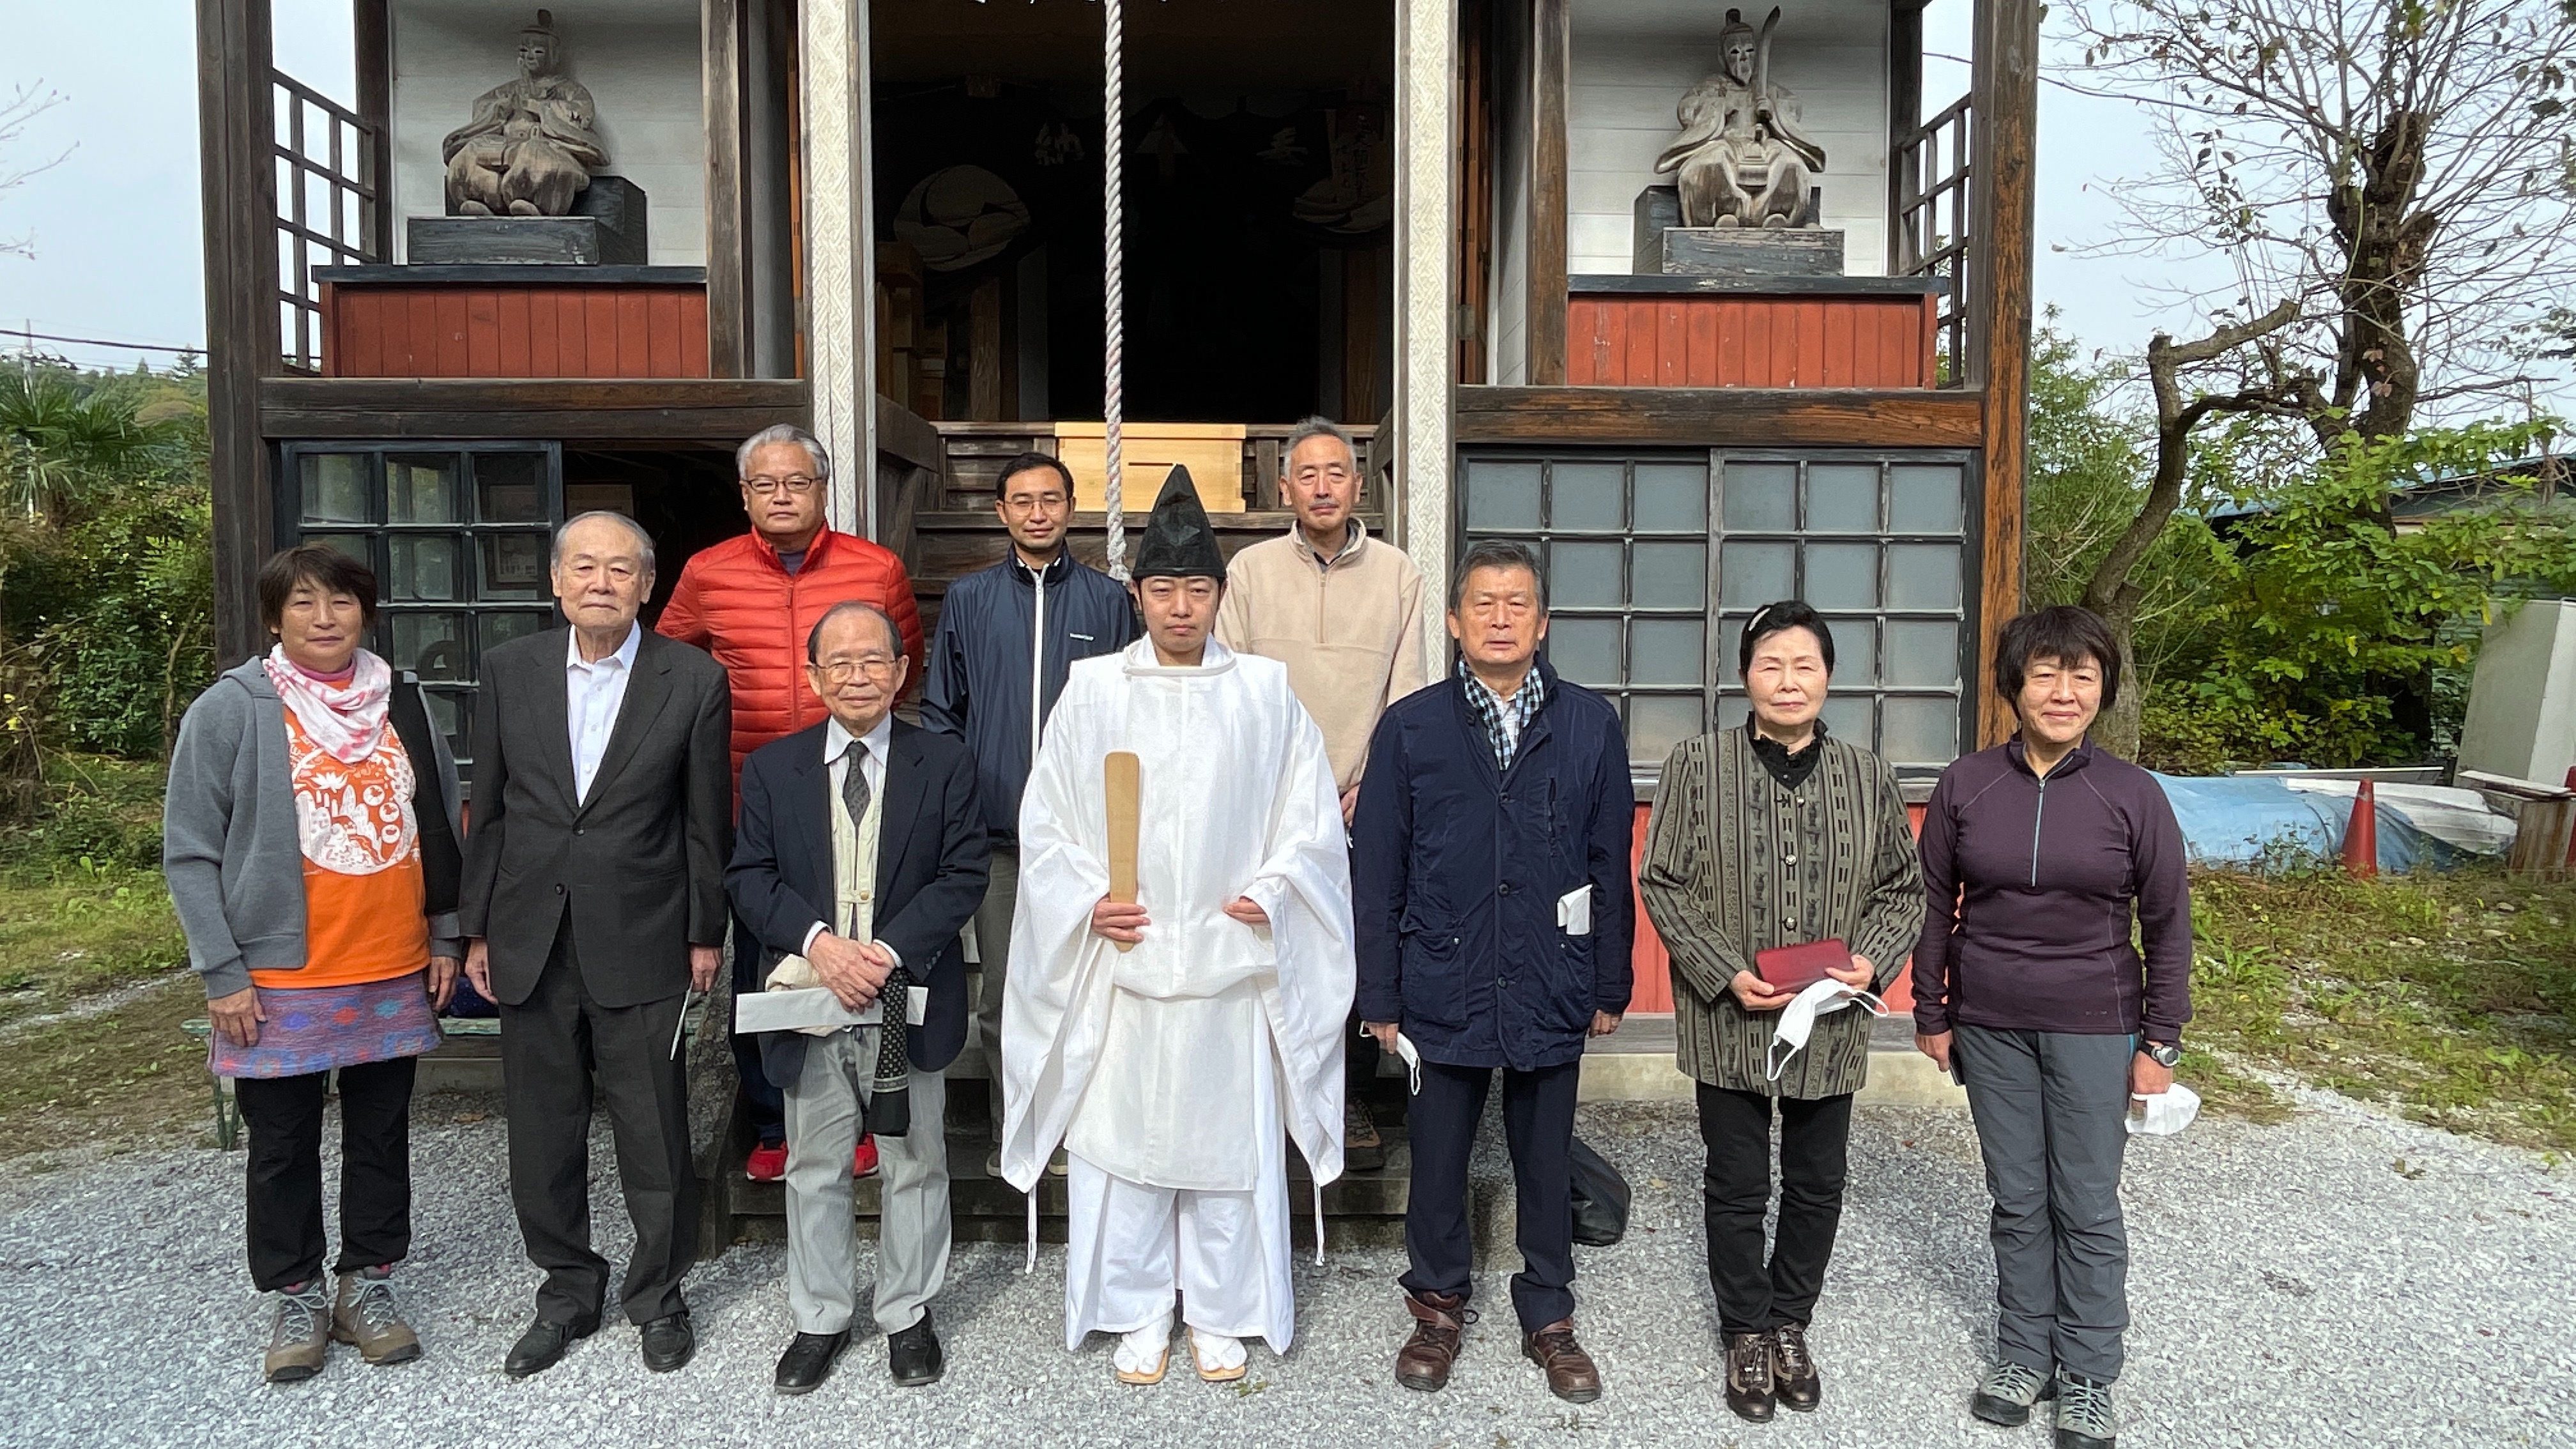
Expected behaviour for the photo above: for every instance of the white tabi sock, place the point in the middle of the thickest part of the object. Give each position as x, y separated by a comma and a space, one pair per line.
1216, 1353
1139, 1350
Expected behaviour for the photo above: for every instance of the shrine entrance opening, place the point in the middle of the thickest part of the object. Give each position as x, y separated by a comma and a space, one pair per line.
1257, 195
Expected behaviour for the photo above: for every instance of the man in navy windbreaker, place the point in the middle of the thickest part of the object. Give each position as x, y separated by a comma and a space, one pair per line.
1490, 875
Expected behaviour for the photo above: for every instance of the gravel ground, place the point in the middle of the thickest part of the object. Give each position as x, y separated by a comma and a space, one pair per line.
2342, 1279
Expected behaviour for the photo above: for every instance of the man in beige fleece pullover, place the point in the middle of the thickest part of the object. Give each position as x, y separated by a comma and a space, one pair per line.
1344, 612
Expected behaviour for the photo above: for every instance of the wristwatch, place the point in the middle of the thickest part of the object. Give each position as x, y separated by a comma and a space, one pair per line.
2165, 1054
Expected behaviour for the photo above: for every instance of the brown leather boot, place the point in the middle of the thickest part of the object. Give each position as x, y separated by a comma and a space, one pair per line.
1793, 1369
1749, 1389
1570, 1374
1438, 1320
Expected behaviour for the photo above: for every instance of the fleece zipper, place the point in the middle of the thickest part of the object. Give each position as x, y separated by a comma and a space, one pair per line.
1037, 661
2038, 813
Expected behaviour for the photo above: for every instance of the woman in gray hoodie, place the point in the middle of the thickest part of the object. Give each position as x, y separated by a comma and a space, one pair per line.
310, 840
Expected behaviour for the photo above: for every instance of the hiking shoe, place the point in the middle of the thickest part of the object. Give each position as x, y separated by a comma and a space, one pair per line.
301, 1338
2084, 1418
2008, 1392
1363, 1150
363, 1314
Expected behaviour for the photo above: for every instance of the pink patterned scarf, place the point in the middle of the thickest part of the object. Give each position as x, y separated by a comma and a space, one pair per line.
346, 720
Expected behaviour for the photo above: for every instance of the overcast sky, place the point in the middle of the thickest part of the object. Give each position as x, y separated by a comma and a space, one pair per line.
116, 223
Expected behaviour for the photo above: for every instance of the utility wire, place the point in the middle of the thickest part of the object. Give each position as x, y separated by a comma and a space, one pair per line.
22, 333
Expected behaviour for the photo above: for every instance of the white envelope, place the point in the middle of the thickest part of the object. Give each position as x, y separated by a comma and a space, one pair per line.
814, 1007
1574, 911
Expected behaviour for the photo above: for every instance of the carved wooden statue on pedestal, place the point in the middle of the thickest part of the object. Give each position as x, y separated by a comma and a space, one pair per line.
533, 143
1741, 160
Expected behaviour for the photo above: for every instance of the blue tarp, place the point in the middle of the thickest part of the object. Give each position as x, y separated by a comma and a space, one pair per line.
2250, 820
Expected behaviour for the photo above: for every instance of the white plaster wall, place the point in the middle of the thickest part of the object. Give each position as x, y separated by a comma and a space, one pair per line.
1634, 59
640, 60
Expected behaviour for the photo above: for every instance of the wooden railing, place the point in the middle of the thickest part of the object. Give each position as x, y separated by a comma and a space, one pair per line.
330, 175
1934, 184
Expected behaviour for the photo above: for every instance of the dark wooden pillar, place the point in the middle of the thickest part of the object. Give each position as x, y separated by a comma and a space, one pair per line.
2005, 112
372, 40
1904, 113
1551, 44
235, 136
728, 225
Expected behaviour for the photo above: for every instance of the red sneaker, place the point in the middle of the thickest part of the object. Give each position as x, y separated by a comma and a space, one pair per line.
767, 1163
863, 1162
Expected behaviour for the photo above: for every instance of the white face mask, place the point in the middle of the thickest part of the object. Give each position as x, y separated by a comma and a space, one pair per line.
2165, 1113
1798, 1019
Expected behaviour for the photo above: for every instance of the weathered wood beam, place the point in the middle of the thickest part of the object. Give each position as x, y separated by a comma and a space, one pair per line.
2006, 114
719, 412
1904, 111
728, 224
239, 188
1720, 417
1551, 46
371, 38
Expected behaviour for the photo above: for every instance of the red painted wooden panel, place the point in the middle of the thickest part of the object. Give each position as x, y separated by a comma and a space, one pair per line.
1653, 966
1866, 342
433, 330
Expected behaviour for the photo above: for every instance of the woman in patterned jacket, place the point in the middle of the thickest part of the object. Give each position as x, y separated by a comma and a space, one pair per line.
1776, 834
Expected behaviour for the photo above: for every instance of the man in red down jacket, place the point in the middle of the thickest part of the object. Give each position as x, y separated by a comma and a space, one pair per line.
751, 601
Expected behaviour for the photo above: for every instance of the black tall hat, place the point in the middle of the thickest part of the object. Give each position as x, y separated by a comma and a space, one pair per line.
1178, 543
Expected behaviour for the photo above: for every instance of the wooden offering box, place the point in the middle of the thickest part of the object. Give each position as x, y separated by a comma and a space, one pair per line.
1667, 331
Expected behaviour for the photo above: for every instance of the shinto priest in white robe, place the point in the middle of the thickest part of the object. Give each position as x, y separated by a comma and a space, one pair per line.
1170, 1071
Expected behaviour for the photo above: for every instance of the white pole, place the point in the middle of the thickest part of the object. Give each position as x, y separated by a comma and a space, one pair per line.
1113, 159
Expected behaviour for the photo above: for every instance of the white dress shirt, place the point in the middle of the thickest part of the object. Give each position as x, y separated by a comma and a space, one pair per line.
597, 690
871, 747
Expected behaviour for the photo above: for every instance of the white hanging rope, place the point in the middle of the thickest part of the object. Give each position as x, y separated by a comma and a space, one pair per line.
1113, 166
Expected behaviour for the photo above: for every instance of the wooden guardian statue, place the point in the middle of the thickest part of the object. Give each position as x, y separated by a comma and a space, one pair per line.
1741, 159
533, 143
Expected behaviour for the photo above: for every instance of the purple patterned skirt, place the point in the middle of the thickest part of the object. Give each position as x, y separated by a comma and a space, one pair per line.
319, 1028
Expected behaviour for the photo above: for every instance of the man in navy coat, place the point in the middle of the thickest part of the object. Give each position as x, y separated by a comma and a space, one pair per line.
861, 854
1490, 873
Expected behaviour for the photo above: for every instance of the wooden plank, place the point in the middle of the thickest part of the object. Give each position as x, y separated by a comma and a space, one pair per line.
238, 205
728, 294
717, 413
599, 335
1732, 318
1700, 369
371, 41
1904, 111
572, 334
1614, 344
1761, 362
510, 312
1672, 345
634, 336
544, 358
661, 334
1811, 344
1639, 369
420, 340
1544, 319
2006, 71
1840, 366
482, 334
451, 357
1719, 417
694, 336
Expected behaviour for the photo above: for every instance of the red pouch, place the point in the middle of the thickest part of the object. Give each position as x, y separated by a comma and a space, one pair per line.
1795, 968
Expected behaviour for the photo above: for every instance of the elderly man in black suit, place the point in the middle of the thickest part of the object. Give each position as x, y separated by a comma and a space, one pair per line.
594, 900
862, 855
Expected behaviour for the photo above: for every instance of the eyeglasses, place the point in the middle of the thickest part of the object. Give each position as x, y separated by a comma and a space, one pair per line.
795, 483
842, 671
1032, 502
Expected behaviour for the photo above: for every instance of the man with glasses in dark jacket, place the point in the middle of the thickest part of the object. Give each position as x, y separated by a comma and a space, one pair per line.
1494, 936
1007, 634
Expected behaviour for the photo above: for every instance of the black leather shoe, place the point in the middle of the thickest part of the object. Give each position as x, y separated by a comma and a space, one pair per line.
543, 1345
808, 1361
669, 1343
914, 1355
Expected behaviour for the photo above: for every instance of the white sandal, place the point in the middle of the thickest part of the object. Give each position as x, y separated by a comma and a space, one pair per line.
1132, 1347
1223, 1374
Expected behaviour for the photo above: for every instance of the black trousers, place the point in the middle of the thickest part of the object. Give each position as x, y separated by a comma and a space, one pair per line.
1538, 1125
1754, 1296
768, 1104
285, 1188
554, 1046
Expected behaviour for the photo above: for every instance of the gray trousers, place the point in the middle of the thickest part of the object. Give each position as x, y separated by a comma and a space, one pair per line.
2049, 1109
993, 944
823, 1110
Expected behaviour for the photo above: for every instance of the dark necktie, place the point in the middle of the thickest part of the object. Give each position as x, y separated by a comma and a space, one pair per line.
890, 1106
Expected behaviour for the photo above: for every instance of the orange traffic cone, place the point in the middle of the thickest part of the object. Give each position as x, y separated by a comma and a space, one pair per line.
2361, 834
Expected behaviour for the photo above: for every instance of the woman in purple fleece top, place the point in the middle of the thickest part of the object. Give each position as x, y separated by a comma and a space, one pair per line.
2031, 987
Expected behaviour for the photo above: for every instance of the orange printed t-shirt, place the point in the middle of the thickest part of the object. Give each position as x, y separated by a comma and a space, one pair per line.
365, 898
